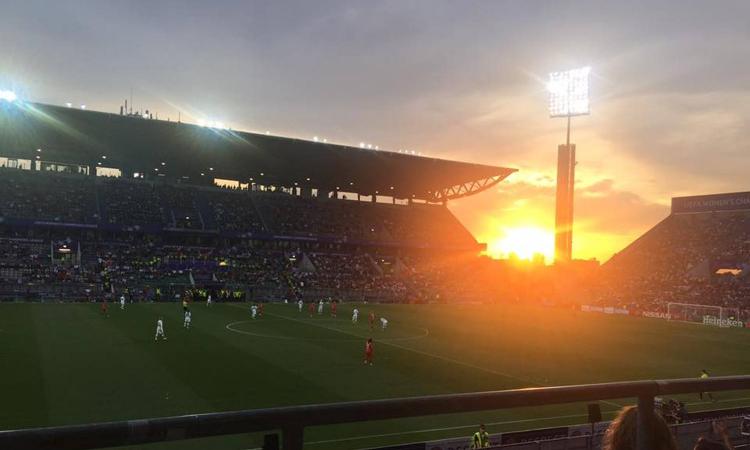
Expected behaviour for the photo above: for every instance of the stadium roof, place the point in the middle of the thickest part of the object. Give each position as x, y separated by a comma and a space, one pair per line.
185, 151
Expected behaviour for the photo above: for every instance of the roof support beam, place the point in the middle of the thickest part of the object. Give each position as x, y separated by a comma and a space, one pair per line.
466, 189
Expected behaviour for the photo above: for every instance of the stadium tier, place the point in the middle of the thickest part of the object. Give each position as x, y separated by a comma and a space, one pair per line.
698, 255
178, 206
77, 201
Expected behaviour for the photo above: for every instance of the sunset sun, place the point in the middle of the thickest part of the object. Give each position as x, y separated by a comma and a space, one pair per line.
524, 242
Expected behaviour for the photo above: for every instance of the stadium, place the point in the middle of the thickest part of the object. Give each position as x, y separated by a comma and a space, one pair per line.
185, 283
181, 212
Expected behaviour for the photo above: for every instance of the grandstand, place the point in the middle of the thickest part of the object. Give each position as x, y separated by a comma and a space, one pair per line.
699, 254
179, 206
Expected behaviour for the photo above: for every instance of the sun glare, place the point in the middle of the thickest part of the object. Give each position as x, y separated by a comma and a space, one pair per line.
524, 242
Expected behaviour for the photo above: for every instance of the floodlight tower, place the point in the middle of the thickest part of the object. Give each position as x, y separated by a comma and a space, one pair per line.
568, 97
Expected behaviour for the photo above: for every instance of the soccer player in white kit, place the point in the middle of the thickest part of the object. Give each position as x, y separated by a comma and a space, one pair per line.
188, 319
208, 300
160, 330
384, 322
355, 315
299, 305
254, 311
320, 307
122, 302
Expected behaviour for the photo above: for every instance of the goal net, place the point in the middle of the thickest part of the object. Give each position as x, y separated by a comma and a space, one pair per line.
701, 313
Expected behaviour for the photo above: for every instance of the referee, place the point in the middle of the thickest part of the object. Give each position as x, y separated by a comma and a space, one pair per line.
704, 376
481, 438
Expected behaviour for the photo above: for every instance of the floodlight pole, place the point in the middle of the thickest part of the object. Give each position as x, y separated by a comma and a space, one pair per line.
566, 162
564, 199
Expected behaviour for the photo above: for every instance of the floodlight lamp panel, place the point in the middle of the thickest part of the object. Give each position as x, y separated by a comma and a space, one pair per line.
8, 96
569, 92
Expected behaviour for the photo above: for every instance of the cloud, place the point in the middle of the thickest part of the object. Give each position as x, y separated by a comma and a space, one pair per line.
600, 207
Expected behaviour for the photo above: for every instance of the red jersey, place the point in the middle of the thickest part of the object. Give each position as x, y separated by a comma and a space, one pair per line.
368, 352
333, 307
311, 308
260, 307
372, 317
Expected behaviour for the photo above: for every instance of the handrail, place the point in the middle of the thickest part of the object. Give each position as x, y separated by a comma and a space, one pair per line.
293, 419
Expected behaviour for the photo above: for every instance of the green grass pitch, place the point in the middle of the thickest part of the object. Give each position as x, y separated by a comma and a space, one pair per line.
67, 364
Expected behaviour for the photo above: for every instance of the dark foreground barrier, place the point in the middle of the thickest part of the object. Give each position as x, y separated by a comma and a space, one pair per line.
293, 420
580, 437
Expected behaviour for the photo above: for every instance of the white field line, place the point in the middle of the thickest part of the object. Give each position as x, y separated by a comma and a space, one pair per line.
231, 327
432, 355
724, 400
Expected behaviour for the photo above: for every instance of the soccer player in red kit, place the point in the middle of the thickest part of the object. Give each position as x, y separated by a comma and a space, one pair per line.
104, 308
371, 319
260, 309
368, 351
333, 309
311, 308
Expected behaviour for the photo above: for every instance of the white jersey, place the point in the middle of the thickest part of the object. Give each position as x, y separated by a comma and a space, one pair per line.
299, 305
355, 315
384, 322
320, 307
208, 299
160, 330
188, 319
254, 311
122, 302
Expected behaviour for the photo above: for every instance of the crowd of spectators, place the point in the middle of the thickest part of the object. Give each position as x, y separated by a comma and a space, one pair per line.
234, 211
699, 259
141, 263
130, 203
27, 269
401, 253
55, 198
296, 215
342, 271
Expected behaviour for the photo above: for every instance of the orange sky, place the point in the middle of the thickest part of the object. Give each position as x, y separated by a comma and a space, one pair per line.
609, 213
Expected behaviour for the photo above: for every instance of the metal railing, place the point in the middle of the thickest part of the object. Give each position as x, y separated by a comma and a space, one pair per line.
293, 420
